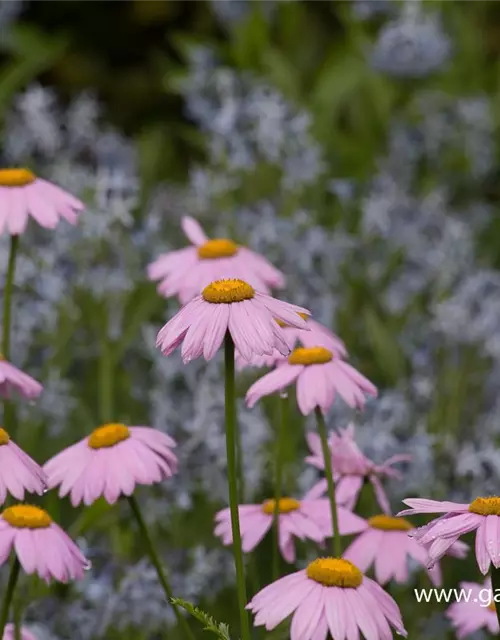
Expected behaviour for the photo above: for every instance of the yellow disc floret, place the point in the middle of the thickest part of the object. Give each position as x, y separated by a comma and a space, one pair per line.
16, 177
282, 324
486, 506
217, 248
108, 435
228, 291
27, 516
285, 505
4, 437
335, 572
310, 355
389, 523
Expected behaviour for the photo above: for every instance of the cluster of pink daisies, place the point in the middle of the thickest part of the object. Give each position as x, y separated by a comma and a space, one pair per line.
225, 292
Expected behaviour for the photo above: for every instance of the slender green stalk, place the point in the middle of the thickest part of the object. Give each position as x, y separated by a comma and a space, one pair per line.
9, 416
239, 465
278, 479
18, 614
106, 365
9, 593
7, 301
230, 410
153, 555
336, 542
495, 588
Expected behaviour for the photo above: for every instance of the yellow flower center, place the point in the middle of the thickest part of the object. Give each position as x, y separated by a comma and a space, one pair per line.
217, 248
27, 516
228, 291
108, 435
334, 572
4, 437
389, 523
492, 607
310, 355
285, 505
16, 177
282, 324
2, 357
486, 506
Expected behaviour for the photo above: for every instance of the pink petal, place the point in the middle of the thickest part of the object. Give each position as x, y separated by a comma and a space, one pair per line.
193, 231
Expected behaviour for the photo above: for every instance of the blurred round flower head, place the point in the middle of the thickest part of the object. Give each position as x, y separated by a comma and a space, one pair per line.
304, 519
351, 468
482, 515
22, 194
40, 544
320, 376
13, 379
110, 462
330, 596
412, 46
318, 334
386, 544
9, 633
186, 272
230, 305
18, 472
468, 617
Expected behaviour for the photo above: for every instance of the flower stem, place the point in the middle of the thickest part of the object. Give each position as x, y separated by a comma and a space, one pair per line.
230, 410
239, 465
9, 592
153, 555
106, 365
495, 588
7, 319
7, 301
336, 542
18, 611
278, 479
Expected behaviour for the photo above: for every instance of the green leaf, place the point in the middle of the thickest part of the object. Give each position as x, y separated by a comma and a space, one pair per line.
385, 347
90, 517
220, 629
32, 53
251, 39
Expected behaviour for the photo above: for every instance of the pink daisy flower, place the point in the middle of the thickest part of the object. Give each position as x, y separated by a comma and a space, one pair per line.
386, 544
13, 379
352, 468
477, 613
22, 194
40, 544
110, 462
319, 376
18, 472
330, 596
303, 519
234, 306
186, 272
481, 515
318, 335
9, 633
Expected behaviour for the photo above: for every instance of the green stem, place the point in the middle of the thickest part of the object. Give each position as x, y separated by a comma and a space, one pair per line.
278, 479
9, 416
239, 466
9, 592
336, 542
495, 589
7, 301
106, 365
153, 555
17, 620
230, 410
